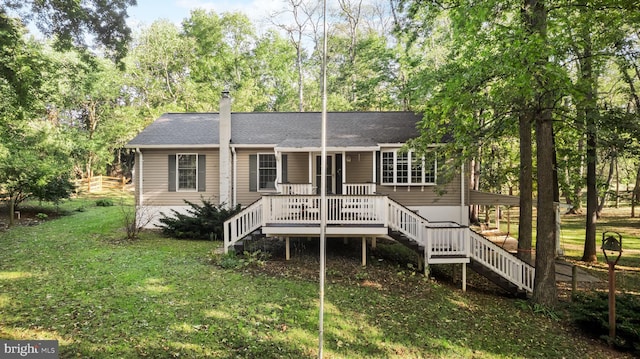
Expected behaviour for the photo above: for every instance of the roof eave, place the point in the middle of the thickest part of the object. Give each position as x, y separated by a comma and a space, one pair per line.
160, 147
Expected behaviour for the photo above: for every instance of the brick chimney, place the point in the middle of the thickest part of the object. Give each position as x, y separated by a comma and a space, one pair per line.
225, 149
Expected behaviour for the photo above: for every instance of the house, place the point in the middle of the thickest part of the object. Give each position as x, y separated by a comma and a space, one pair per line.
269, 163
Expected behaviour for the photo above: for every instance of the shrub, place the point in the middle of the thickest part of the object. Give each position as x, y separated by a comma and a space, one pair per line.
42, 216
201, 221
104, 202
590, 312
247, 259
134, 219
55, 190
396, 253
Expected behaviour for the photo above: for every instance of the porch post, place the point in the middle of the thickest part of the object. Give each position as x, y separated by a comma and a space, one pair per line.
311, 164
278, 179
287, 254
343, 173
426, 264
464, 277
374, 242
364, 251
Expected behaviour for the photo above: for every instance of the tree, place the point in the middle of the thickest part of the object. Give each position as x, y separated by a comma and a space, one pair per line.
498, 79
159, 70
223, 49
35, 161
273, 59
302, 13
72, 22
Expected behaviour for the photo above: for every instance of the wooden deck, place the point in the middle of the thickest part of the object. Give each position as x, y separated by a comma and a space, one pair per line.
375, 216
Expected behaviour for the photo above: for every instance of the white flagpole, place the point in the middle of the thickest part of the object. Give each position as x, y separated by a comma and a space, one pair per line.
323, 181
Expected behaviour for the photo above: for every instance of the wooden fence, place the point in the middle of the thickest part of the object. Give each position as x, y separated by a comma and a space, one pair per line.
100, 183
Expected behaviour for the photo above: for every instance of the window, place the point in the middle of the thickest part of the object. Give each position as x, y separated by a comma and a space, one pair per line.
266, 171
187, 172
400, 168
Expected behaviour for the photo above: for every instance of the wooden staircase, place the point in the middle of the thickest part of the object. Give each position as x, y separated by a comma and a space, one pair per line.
479, 266
497, 279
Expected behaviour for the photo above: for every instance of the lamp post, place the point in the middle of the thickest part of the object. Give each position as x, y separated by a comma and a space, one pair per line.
612, 249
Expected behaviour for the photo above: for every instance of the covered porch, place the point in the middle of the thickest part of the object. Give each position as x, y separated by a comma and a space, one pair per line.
350, 171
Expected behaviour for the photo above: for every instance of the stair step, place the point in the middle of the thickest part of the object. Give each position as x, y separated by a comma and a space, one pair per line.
448, 259
497, 279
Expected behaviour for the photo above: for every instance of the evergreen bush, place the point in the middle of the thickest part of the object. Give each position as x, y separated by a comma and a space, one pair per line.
590, 312
104, 202
200, 222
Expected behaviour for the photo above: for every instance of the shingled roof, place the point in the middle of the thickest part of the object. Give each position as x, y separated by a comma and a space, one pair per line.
279, 129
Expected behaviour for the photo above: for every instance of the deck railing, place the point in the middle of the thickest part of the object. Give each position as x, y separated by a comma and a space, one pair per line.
242, 224
501, 262
447, 240
407, 222
305, 209
358, 188
295, 188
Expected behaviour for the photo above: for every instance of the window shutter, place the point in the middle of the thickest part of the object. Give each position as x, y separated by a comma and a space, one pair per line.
202, 173
172, 173
378, 169
285, 171
253, 173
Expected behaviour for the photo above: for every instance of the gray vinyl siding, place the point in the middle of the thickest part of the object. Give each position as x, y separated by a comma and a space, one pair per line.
155, 183
136, 177
298, 167
244, 196
360, 168
445, 195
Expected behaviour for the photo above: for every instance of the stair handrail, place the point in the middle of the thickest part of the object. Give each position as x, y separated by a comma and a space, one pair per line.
501, 262
242, 224
407, 222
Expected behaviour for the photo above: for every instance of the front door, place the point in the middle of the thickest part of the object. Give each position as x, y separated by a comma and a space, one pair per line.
330, 174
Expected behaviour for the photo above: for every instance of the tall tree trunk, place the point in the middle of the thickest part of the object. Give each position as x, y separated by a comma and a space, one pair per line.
474, 215
605, 193
577, 187
635, 196
589, 252
525, 224
588, 109
544, 288
617, 184
544, 291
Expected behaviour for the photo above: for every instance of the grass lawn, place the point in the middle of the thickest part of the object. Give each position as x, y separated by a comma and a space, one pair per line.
74, 280
572, 236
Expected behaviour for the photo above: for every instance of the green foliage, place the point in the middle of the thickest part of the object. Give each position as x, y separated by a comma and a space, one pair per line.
396, 253
200, 222
234, 261
104, 202
71, 23
42, 216
55, 190
36, 163
590, 311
